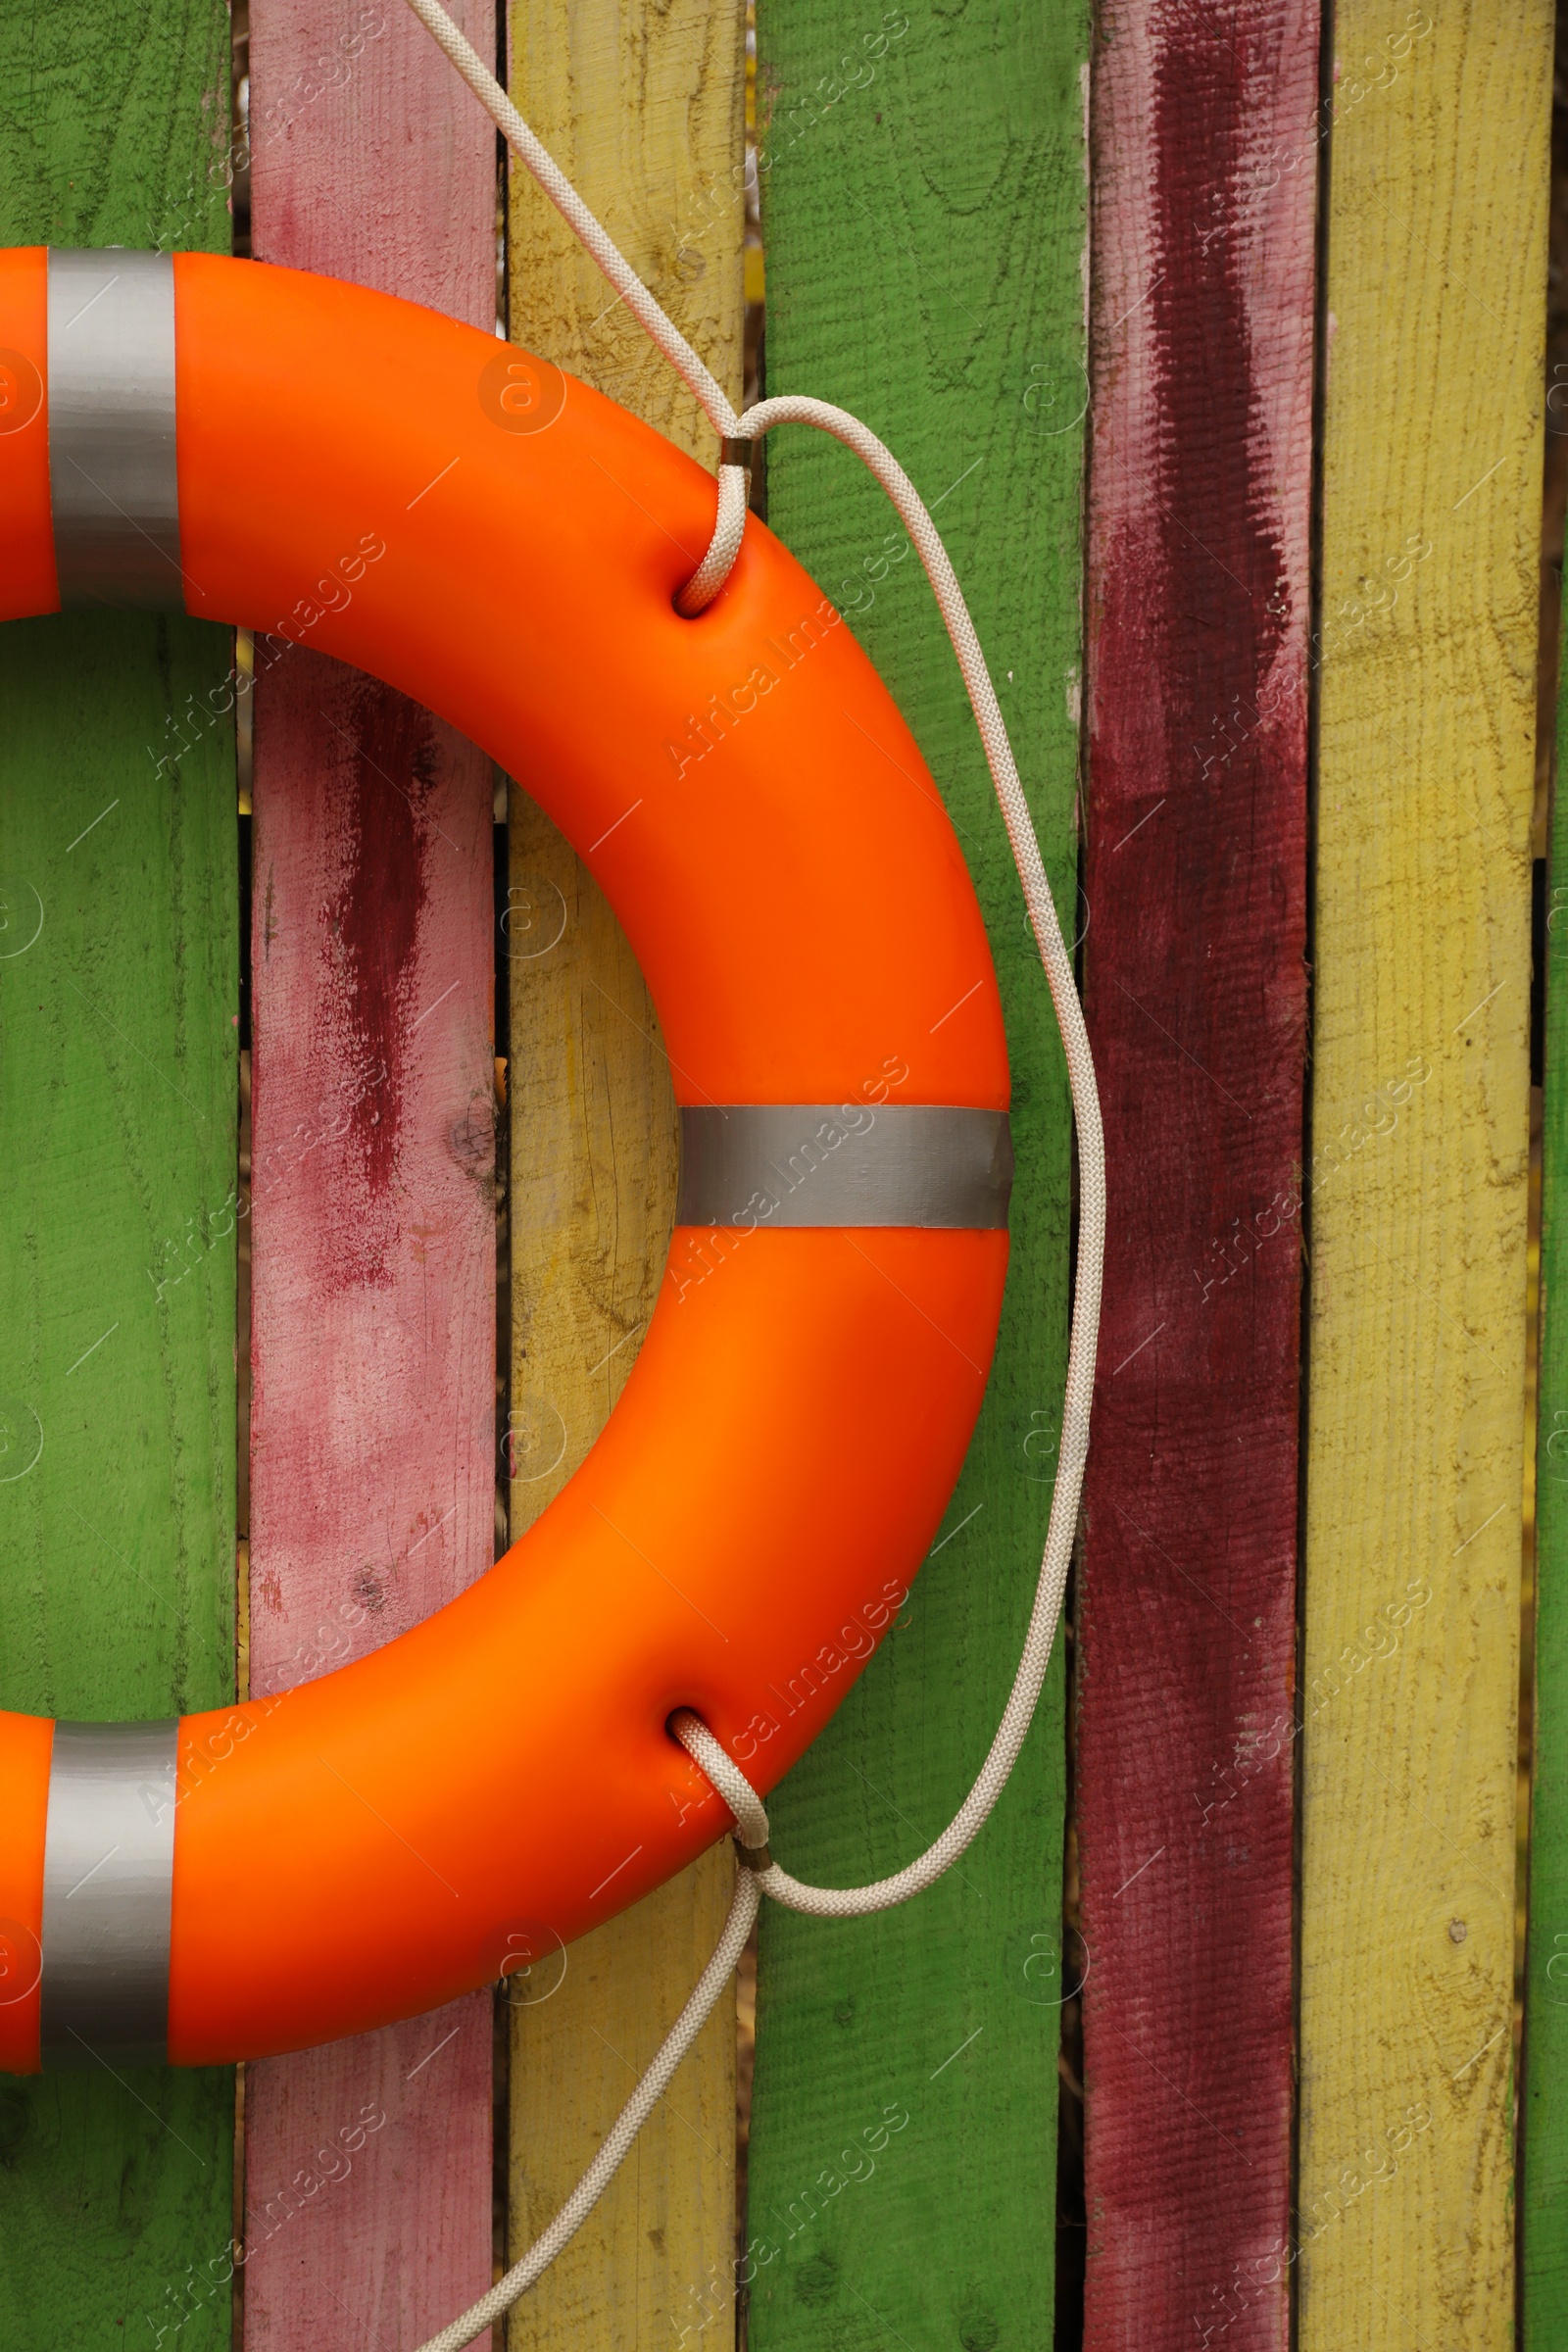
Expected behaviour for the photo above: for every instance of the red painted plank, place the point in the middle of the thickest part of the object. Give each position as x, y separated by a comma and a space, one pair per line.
1203, 194
373, 1217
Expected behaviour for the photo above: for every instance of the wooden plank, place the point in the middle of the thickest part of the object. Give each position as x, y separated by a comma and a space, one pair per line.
924, 211
1430, 531
117, 1106
592, 1203
1200, 593
374, 1291
374, 1186
644, 109
1544, 2199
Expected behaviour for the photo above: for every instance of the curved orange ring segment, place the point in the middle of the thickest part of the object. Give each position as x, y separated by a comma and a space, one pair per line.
350, 475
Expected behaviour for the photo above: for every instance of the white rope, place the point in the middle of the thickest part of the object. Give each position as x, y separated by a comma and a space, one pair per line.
639, 2107
760, 1871
751, 1814
729, 529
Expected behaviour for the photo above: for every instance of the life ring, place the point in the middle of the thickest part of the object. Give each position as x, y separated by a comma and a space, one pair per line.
333, 466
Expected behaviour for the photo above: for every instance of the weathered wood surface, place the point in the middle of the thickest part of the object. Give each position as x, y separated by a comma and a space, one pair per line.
1199, 600
119, 987
1543, 2193
373, 1230
1431, 530
644, 109
370, 159
924, 206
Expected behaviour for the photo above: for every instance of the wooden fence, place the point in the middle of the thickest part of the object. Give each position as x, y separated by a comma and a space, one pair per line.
1213, 335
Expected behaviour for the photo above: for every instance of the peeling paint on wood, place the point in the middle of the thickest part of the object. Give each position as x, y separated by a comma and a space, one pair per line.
374, 1186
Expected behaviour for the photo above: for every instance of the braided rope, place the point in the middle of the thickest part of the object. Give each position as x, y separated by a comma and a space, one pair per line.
481, 2316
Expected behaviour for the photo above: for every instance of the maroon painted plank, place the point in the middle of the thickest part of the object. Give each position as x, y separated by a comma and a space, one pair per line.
368, 2164
1204, 164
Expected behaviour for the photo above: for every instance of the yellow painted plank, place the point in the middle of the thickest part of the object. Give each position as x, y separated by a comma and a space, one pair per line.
1417, 1187
643, 107
655, 2260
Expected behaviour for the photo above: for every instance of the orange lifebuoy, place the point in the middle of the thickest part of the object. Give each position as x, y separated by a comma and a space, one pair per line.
336, 468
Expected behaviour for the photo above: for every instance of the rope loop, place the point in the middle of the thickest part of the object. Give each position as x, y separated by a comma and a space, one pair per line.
751, 1817
729, 529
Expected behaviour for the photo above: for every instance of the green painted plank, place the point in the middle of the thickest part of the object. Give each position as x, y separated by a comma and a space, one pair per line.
1544, 2263
924, 203
118, 1105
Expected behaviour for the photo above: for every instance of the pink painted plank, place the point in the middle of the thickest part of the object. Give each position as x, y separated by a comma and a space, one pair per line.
374, 1219
370, 159
372, 1416
1204, 167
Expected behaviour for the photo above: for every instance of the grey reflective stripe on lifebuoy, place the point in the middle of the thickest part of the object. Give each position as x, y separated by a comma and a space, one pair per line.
107, 1887
844, 1163
113, 479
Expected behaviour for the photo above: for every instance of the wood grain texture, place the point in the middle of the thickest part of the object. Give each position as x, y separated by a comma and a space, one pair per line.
373, 1189
1544, 2200
118, 987
1196, 978
658, 2266
372, 1357
118, 1105
924, 194
370, 159
593, 1157
643, 107
114, 125
1432, 495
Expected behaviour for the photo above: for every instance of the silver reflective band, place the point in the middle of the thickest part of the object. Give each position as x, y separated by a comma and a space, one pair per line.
108, 1884
112, 474
851, 1164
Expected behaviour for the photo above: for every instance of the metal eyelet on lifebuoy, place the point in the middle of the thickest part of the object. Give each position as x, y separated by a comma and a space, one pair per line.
334, 468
